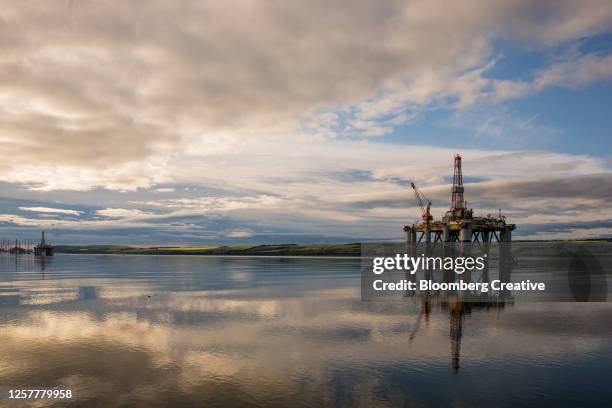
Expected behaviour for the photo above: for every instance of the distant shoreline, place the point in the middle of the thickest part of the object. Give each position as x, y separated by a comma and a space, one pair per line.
349, 250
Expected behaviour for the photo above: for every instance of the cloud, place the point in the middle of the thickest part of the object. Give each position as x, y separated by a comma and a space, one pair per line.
585, 187
94, 96
168, 339
339, 190
576, 72
122, 213
240, 234
213, 204
255, 113
51, 210
571, 73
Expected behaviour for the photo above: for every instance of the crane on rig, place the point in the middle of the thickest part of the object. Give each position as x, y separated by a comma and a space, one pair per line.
425, 208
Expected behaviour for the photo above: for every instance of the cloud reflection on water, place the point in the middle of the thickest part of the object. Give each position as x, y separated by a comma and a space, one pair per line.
119, 341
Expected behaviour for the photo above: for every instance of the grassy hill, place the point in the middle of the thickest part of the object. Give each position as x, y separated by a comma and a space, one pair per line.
261, 250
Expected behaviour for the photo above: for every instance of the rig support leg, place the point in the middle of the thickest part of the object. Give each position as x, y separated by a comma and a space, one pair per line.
505, 255
427, 233
447, 248
410, 240
486, 246
465, 238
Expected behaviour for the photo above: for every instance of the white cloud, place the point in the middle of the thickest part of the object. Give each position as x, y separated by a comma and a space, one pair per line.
123, 213
214, 204
575, 72
51, 210
184, 93
240, 234
341, 188
86, 103
571, 73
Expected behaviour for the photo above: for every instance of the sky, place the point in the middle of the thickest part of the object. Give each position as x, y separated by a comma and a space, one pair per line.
204, 122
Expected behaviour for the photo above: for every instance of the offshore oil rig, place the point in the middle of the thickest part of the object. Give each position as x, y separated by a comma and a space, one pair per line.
458, 232
459, 223
43, 248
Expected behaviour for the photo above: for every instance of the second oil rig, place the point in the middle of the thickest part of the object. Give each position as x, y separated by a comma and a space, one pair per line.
43, 248
459, 223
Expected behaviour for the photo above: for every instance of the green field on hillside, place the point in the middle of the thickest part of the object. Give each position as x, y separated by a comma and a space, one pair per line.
262, 250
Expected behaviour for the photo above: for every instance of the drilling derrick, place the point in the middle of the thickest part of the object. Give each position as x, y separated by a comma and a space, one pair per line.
458, 209
457, 202
457, 196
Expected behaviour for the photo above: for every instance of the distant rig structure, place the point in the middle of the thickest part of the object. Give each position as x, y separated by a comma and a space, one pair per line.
459, 223
27, 247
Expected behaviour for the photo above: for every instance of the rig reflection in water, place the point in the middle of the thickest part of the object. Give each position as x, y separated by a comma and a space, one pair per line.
451, 303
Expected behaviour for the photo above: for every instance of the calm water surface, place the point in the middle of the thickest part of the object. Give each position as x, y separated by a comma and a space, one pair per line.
228, 331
